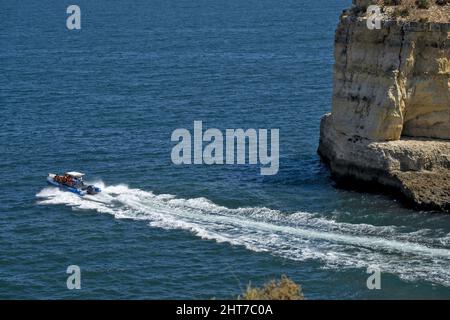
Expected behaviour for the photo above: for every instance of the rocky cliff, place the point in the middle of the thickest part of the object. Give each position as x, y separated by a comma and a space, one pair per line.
390, 119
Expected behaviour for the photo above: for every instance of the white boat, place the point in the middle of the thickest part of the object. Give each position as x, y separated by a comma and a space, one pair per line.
72, 181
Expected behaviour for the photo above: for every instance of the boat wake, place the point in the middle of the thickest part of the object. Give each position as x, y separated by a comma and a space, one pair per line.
297, 236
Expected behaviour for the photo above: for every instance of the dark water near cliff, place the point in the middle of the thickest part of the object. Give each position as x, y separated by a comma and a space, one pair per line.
106, 99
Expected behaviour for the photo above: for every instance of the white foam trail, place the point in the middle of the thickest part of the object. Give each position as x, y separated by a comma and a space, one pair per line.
298, 236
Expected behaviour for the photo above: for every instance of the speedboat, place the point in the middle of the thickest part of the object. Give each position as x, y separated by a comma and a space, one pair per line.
73, 182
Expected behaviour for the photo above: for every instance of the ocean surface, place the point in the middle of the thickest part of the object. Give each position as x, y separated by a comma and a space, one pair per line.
105, 100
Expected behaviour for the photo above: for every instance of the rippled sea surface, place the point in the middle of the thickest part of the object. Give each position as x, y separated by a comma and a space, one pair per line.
105, 99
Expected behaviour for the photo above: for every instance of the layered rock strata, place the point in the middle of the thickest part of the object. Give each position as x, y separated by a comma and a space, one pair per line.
390, 119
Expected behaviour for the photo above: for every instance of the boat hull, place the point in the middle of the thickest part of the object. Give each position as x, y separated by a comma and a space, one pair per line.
93, 190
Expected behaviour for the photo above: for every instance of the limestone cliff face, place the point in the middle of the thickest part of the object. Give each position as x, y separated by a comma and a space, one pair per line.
390, 119
392, 82
417, 170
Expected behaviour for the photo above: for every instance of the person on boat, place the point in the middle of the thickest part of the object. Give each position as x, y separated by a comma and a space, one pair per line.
69, 180
65, 179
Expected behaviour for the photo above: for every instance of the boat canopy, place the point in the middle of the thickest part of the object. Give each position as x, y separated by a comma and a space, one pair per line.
75, 174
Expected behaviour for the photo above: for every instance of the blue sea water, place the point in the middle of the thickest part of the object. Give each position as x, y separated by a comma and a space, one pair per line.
105, 99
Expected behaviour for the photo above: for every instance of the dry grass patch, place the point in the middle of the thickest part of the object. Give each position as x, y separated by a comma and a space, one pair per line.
417, 10
283, 289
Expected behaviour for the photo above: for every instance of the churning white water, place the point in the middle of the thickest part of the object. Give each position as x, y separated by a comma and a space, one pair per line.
297, 236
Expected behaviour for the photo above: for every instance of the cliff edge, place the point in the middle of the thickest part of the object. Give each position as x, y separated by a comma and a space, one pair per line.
390, 120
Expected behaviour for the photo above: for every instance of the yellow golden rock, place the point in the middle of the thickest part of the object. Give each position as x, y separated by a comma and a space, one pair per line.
390, 119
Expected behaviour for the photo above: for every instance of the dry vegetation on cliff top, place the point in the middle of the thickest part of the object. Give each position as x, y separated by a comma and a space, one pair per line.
283, 289
418, 10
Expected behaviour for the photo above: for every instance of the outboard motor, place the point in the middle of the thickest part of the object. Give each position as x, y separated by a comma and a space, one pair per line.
91, 190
